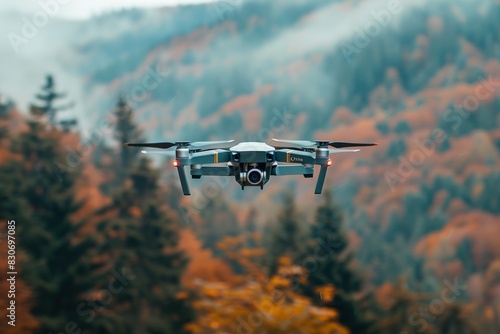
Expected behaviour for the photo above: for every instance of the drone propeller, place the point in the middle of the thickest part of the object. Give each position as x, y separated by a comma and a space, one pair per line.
320, 143
160, 152
200, 145
297, 143
338, 144
335, 150
164, 145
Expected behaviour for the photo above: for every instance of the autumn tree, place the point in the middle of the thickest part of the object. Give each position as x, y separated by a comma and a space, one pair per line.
329, 262
287, 234
141, 236
412, 312
261, 305
61, 265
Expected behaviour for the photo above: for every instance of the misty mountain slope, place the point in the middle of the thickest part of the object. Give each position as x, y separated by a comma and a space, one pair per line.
309, 69
256, 46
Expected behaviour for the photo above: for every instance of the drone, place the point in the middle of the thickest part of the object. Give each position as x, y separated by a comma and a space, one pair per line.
251, 163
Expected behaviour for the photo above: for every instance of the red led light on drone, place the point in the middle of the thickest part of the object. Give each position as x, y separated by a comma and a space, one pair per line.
176, 163
328, 162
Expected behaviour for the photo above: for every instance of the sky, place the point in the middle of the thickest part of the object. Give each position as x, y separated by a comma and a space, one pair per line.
82, 9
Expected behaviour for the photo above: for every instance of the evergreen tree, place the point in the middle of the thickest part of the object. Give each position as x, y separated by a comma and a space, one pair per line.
142, 237
217, 222
287, 234
251, 228
61, 266
333, 266
47, 106
4, 107
125, 131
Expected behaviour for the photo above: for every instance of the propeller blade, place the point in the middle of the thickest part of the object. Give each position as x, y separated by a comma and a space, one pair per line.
300, 143
163, 145
338, 144
317, 143
205, 144
167, 153
335, 150
196, 145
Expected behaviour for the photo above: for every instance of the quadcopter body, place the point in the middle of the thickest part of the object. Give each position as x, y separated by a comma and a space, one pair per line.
251, 163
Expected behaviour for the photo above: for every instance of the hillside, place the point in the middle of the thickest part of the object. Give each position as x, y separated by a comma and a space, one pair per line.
420, 78
297, 69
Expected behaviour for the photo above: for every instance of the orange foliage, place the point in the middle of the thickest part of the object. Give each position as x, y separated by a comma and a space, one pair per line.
422, 118
252, 119
246, 101
202, 264
456, 207
87, 189
261, 305
342, 116
435, 25
362, 130
14, 124
245, 104
383, 294
480, 227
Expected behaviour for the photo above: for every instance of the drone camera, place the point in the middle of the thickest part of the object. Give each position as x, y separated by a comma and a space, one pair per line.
236, 156
255, 176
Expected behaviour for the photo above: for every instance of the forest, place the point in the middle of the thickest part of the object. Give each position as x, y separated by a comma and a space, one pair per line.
102, 248
403, 240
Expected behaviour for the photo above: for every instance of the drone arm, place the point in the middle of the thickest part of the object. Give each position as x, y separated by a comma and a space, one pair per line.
210, 157
184, 181
321, 179
294, 156
291, 170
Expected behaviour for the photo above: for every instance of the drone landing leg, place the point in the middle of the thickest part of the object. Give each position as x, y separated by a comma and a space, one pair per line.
184, 181
321, 179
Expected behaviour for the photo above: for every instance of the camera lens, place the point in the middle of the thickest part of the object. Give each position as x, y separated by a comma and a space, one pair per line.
254, 176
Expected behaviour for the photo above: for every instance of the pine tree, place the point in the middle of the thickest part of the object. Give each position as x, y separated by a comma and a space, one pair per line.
142, 237
217, 222
61, 267
4, 106
125, 131
251, 230
47, 106
333, 266
14, 208
287, 234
